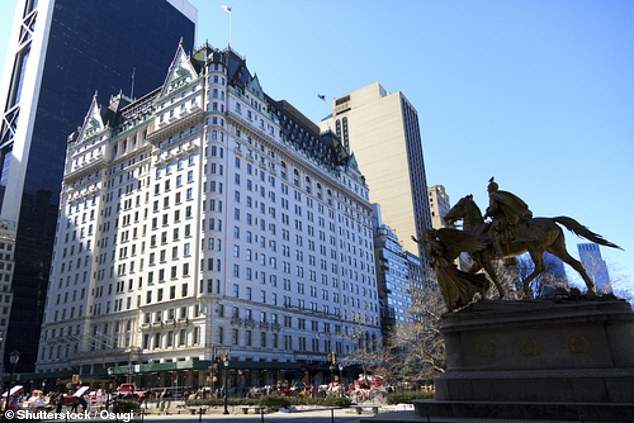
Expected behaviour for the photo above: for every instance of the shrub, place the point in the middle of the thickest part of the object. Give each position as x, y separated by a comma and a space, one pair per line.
199, 402
124, 406
335, 402
407, 397
273, 401
219, 402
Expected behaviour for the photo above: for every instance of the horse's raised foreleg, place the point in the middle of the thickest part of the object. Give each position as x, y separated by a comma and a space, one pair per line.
538, 261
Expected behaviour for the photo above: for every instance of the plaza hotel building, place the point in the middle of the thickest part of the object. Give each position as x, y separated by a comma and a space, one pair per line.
206, 217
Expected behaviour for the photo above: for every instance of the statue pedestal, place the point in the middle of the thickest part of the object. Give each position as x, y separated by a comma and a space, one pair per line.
539, 360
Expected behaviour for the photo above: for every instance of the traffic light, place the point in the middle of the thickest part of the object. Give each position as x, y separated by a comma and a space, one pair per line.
223, 359
331, 358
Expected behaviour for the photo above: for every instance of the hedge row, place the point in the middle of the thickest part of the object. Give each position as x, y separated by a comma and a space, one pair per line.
124, 406
272, 401
406, 397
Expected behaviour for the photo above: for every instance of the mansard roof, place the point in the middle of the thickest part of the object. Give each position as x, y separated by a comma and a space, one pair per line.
296, 128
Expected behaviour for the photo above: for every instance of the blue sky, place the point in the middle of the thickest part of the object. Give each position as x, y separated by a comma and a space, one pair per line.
539, 94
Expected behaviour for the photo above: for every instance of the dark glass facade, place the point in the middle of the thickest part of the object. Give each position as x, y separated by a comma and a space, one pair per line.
418, 179
93, 46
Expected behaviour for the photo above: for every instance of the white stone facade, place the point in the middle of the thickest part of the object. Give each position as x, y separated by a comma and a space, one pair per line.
202, 216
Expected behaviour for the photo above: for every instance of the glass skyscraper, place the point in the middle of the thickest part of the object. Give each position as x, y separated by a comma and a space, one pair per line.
61, 52
591, 259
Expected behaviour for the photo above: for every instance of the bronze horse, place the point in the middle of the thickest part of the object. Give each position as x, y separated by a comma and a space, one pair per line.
547, 236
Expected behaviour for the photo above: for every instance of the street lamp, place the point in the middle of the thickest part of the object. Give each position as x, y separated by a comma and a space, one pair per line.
225, 363
332, 359
14, 357
109, 389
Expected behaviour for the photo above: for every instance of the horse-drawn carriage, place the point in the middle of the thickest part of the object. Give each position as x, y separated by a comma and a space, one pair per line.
368, 388
75, 400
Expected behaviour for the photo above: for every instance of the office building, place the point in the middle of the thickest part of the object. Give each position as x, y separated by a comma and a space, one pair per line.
392, 275
438, 205
416, 274
60, 53
383, 131
595, 266
206, 217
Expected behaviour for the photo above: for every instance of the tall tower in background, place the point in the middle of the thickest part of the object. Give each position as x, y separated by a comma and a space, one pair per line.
438, 205
383, 131
60, 53
590, 256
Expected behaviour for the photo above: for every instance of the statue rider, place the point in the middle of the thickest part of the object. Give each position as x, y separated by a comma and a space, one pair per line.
508, 213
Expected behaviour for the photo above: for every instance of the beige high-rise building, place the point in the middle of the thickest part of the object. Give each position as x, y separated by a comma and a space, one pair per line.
382, 130
438, 205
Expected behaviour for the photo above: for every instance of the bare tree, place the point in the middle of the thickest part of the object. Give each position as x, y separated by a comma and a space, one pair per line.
513, 272
416, 348
509, 272
366, 353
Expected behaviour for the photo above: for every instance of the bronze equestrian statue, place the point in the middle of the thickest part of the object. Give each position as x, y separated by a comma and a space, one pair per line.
514, 231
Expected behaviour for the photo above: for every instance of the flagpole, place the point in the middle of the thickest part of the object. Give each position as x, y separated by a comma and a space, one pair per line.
323, 98
132, 84
227, 10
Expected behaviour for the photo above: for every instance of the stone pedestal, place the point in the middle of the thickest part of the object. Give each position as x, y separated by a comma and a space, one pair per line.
538, 359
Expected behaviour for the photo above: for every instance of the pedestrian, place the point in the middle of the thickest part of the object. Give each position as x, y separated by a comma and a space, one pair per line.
60, 402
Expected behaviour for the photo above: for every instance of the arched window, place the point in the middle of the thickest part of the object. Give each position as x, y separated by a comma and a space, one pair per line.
296, 177
283, 166
308, 185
